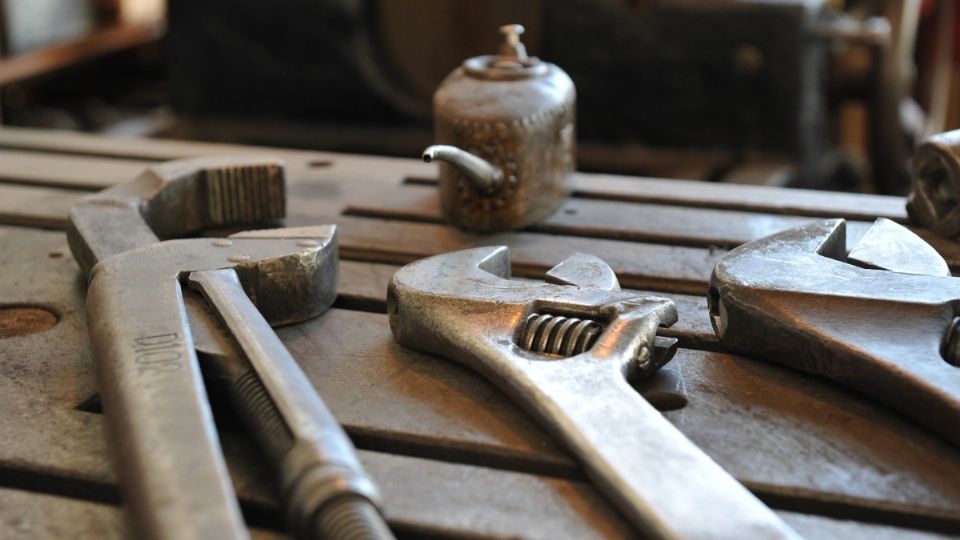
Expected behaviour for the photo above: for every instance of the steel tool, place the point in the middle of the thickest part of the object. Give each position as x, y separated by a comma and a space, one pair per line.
934, 201
565, 351
880, 317
171, 470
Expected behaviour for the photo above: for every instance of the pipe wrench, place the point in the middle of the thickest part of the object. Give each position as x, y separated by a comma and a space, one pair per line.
171, 471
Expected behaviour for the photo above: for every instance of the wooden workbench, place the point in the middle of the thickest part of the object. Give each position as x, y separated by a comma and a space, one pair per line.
452, 455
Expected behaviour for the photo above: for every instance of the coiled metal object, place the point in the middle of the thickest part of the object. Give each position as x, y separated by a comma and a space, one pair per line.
556, 334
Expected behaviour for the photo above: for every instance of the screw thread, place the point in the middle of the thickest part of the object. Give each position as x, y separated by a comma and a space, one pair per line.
555, 334
260, 413
350, 518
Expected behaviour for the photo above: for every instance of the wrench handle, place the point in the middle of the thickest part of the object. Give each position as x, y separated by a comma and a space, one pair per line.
168, 457
662, 482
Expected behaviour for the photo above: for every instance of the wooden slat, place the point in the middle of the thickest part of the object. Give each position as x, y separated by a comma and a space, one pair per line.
65, 143
28, 516
74, 172
638, 266
799, 202
32, 206
818, 527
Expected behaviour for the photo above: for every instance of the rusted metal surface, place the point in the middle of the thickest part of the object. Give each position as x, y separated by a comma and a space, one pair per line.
805, 446
515, 115
24, 320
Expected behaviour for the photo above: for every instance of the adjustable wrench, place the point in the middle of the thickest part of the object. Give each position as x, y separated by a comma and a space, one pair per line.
171, 470
880, 317
564, 350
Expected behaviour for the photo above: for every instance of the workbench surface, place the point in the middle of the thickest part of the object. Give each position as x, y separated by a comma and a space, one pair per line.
452, 455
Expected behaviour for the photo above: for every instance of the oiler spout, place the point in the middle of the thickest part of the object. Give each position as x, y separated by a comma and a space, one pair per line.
483, 175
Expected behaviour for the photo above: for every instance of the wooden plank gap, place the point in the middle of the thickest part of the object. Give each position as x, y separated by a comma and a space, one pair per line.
841, 507
723, 196
51, 483
489, 456
31, 182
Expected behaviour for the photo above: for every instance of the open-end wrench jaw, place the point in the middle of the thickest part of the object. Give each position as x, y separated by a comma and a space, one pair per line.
800, 298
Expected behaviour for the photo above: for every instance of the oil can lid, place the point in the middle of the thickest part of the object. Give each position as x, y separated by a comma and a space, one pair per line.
510, 62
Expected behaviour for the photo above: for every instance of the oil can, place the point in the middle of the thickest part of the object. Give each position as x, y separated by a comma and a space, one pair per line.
504, 128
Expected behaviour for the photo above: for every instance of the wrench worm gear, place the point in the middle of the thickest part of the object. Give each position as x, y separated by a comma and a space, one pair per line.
556, 334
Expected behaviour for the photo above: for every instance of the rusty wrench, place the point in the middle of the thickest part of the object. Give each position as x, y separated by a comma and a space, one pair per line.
564, 350
879, 317
171, 470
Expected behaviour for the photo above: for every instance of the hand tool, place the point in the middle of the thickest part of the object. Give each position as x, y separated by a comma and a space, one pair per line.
880, 318
170, 466
565, 350
934, 201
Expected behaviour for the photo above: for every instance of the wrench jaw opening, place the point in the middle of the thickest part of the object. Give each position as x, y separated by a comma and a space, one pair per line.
738, 269
459, 304
875, 320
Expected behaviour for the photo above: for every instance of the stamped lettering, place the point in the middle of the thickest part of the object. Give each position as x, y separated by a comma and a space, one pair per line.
159, 353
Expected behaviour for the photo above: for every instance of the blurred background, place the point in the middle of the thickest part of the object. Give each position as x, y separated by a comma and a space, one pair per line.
805, 93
